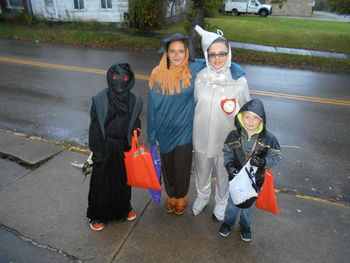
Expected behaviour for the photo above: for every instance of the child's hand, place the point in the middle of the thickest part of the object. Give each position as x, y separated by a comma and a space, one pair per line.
231, 170
257, 161
87, 168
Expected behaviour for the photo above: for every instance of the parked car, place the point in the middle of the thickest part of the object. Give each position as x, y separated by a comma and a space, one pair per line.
237, 7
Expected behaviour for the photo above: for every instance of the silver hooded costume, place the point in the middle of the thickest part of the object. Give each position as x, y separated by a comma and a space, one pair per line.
219, 94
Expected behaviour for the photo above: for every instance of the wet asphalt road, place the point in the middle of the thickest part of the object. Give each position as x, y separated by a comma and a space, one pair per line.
54, 103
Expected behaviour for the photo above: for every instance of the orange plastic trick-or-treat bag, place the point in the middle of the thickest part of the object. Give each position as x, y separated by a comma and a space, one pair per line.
139, 166
267, 198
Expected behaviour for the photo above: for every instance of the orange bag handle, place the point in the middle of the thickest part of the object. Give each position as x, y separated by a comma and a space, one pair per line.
135, 140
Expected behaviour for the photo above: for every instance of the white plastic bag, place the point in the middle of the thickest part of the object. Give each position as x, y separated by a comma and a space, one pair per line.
241, 188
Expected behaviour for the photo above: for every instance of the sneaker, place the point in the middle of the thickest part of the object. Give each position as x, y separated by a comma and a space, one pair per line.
131, 215
224, 230
97, 226
246, 235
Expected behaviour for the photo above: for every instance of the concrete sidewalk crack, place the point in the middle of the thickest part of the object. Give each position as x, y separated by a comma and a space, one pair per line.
36, 244
130, 232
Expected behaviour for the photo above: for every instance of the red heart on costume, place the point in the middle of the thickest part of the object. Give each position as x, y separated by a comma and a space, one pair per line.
228, 105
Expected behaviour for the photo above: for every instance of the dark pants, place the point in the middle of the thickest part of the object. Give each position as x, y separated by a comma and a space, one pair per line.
176, 169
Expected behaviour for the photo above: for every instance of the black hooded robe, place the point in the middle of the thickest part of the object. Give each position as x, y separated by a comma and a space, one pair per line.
109, 137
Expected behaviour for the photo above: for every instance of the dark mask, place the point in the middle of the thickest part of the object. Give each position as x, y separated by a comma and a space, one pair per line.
120, 78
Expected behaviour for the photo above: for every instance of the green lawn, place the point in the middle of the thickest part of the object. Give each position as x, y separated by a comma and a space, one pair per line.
284, 32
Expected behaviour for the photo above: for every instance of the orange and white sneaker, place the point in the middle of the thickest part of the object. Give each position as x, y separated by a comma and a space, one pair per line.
97, 226
131, 215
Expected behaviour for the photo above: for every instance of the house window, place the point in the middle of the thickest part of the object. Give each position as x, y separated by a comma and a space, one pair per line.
49, 3
79, 4
106, 4
14, 3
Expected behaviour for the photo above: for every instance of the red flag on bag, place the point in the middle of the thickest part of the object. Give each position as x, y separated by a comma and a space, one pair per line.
139, 166
267, 198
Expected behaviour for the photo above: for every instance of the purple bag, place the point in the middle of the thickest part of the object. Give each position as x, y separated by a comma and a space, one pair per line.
156, 162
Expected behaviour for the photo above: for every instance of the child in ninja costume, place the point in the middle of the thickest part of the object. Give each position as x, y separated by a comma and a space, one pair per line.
249, 141
114, 115
220, 91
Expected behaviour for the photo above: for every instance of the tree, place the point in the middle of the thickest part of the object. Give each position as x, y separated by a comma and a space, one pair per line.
197, 13
145, 14
195, 17
340, 6
199, 10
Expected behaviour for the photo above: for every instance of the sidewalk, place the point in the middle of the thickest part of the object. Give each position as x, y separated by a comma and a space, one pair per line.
46, 205
295, 51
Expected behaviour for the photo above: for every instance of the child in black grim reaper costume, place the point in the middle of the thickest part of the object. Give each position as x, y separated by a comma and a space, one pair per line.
114, 115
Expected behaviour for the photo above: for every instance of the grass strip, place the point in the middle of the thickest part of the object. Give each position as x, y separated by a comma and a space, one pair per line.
78, 37
107, 40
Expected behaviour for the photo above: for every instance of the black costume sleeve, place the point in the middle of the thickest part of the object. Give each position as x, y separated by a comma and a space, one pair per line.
96, 140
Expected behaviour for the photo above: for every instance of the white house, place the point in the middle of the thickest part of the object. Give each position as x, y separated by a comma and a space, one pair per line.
81, 10
89, 10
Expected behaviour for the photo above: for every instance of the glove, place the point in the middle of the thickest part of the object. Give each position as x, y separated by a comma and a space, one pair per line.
87, 168
231, 170
257, 161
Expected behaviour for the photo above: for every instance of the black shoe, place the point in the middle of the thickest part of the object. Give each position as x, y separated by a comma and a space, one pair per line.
246, 235
224, 229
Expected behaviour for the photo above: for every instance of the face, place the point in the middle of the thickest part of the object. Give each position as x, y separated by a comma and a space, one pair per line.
217, 55
251, 122
176, 53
